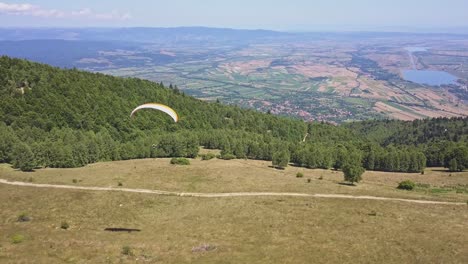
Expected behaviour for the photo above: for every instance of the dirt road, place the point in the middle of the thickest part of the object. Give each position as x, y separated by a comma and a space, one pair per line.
219, 195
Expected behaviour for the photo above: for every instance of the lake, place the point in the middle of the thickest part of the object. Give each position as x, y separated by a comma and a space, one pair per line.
434, 78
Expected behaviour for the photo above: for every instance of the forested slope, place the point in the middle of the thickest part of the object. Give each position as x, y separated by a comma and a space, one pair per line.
51, 117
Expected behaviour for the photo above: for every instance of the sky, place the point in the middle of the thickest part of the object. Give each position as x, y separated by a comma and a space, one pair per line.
284, 15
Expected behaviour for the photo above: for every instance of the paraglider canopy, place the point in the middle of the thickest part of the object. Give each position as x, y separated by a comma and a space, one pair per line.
164, 108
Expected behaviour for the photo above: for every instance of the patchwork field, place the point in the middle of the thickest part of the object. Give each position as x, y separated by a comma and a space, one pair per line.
313, 79
230, 229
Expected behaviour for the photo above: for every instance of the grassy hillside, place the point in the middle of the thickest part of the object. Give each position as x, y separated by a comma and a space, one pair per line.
51, 117
237, 229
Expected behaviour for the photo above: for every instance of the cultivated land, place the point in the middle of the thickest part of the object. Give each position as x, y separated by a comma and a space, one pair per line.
241, 229
333, 77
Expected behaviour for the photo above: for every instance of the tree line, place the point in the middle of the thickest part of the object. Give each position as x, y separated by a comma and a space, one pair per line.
52, 117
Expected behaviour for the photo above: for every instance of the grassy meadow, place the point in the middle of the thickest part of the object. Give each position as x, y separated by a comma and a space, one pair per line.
231, 229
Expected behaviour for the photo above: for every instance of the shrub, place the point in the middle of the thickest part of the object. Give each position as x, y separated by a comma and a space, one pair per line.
353, 173
406, 185
126, 250
120, 184
321, 177
23, 217
17, 238
64, 225
453, 165
23, 158
75, 181
280, 159
309, 180
299, 175
180, 161
208, 156
228, 157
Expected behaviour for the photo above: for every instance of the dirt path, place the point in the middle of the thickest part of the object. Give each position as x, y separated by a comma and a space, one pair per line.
219, 195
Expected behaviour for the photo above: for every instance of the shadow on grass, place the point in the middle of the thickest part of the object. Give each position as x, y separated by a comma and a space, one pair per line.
119, 229
276, 168
347, 184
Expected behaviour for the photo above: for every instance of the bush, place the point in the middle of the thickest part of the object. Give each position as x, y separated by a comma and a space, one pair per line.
299, 175
406, 185
126, 250
353, 173
180, 161
23, 217
228, 157
208, 156
75, 181
17, 238
119, 184
453, 165
64, 225
280, 159
23, 158
309, 180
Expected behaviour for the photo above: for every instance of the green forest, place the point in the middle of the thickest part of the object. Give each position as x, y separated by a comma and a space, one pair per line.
64, 118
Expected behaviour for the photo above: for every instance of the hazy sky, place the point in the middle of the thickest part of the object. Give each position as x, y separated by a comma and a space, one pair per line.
267, 14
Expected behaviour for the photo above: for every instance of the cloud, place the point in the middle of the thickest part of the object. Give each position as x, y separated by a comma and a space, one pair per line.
37, 11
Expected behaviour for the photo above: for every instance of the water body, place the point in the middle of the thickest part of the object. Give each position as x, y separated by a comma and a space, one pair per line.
434, 78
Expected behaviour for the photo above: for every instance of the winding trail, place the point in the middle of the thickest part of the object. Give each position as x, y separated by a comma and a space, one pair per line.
220, 195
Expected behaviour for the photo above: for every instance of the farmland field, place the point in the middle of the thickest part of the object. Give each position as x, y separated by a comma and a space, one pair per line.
314, 80
332, 77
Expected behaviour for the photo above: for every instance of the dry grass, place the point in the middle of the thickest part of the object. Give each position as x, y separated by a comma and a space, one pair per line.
204, 151
316, 70
241, 229
245, 67
395, 112
215, 176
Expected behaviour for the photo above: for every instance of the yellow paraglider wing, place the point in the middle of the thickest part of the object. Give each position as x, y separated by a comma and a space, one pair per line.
164, 108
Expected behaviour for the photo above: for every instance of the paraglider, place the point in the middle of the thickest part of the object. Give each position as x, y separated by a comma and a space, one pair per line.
164, 108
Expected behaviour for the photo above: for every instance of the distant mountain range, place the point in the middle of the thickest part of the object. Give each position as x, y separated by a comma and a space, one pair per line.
176, 34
